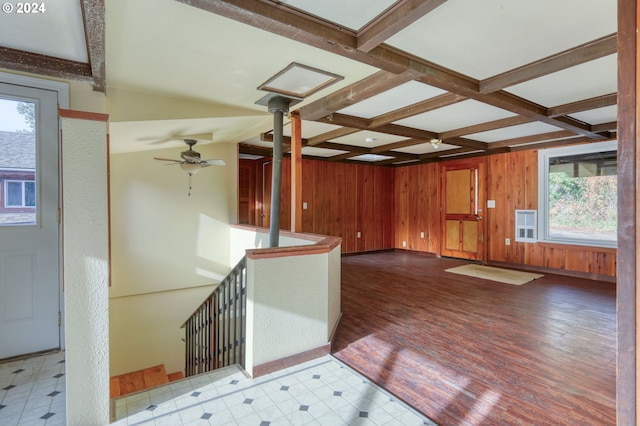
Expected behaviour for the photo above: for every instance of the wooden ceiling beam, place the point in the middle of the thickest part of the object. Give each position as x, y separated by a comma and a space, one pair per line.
244, 148
584, 105
578, 55
398, 130
333, 134
370, 86
485, 127
561, 142
440, 101
35, 63
611, 126
438, 154
285, 21
392, 21
93, 19
397, 145
341, 147
532, 138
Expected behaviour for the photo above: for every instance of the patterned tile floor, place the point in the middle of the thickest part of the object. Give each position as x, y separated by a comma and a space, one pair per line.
32, 391
319, 392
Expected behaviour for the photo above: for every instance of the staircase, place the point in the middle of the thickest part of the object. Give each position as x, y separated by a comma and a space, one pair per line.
140, 380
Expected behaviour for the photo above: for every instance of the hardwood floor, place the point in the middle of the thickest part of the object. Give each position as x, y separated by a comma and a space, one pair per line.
467, 351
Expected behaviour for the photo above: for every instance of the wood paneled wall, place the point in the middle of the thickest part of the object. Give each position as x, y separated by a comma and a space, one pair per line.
513, 183
394, 207
342, 199
417, 199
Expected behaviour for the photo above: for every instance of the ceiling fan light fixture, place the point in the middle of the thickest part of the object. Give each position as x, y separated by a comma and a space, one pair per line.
190, 168
435, 142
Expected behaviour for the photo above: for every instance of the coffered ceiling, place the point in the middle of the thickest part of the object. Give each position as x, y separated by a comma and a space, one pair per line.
477, 76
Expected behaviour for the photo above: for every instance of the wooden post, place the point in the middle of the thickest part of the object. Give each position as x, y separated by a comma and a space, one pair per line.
627, 256
296, 172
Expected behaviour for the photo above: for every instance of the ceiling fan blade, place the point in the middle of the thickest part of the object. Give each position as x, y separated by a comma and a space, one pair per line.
167, 159
191, 159
214, 162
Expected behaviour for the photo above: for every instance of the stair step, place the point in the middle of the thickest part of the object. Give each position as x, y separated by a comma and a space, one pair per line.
155, 376
114, 387
176, 376
139, 380
131, 382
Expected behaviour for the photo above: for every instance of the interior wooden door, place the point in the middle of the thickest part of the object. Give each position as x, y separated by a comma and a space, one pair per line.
462, 208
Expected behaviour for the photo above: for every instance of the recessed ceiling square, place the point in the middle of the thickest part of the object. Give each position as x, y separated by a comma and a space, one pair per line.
299, 81
372, 158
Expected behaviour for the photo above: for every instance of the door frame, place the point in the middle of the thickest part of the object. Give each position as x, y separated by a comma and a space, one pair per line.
62, 90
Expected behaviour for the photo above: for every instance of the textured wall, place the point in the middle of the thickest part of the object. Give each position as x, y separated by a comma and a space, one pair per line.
288, 305
86, 270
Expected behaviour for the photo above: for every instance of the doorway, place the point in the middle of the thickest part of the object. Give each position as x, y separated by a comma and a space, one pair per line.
30, 293
463, 199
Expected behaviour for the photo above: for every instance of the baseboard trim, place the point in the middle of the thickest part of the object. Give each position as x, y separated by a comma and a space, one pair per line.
554, 271
290, 361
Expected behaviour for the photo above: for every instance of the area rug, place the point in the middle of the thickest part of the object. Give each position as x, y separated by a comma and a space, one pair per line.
507, 276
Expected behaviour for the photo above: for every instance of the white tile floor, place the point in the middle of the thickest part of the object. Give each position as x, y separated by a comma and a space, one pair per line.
319, 392
32, 391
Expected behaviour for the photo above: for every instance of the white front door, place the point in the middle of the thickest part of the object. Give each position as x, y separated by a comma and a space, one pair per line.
29, 228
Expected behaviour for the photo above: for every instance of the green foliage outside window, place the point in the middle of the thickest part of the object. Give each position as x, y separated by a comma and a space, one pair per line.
585, 205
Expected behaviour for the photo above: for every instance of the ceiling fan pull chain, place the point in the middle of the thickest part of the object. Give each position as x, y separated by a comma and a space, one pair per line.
190, 174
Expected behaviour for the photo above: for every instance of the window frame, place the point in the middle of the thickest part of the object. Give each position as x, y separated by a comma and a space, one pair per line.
23, 185
544, 156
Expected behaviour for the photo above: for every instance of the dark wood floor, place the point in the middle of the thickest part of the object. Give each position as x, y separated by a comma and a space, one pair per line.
466, 351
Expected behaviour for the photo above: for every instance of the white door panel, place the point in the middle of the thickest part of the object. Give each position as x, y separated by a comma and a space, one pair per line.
29, 229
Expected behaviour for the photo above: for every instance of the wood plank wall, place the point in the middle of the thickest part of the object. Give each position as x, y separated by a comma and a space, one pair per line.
512, 181
392, 207
342, 200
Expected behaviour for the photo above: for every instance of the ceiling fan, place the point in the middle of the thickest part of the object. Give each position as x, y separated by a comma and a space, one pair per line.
190, 161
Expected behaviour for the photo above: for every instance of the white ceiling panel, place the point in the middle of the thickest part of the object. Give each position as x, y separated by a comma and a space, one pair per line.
595, 78
353, 14
321, 152
361, 139
455, 116
489, 37
425, 148
598, 116
514, 132
55, 30
371, 158
396, 98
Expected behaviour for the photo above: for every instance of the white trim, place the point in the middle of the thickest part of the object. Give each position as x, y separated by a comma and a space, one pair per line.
543, 189
38, 83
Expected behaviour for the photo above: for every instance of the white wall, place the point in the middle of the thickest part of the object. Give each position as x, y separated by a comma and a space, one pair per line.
164, 241
86, 271
145, 329
293, 303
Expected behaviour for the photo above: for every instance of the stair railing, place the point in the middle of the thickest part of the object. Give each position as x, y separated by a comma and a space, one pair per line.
215, 333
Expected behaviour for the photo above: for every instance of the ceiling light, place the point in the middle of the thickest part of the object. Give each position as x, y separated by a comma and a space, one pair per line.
191, 168
369, 140
435, 142
299, 81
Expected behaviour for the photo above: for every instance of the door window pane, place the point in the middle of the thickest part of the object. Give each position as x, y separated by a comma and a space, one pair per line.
18, 200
